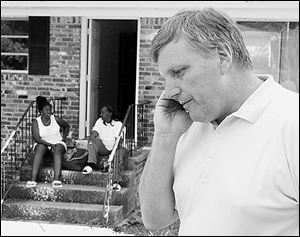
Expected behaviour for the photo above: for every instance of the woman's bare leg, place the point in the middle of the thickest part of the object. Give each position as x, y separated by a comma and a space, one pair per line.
58, 151
39, 152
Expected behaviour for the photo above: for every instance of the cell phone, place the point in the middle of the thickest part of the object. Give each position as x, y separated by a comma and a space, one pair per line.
179, 105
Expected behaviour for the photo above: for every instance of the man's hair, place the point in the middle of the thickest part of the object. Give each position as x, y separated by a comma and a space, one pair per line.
204, 30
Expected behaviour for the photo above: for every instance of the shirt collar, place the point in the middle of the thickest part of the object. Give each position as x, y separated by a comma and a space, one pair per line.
258, 101
214, 124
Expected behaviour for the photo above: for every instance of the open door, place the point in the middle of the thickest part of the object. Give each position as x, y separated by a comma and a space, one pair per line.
93, 74
111, 70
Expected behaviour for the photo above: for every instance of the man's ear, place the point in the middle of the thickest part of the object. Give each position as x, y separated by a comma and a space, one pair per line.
225, 55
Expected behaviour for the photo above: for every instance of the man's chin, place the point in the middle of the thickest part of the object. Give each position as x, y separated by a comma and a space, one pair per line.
197, 118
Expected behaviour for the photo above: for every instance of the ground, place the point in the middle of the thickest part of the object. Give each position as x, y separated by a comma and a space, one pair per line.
131, 226
134, 225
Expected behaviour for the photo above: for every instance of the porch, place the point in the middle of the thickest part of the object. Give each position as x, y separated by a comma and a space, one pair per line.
83, 199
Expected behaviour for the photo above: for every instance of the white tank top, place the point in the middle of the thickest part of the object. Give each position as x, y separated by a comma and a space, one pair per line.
51, 132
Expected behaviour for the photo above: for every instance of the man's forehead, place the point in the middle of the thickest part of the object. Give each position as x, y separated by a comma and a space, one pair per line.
173, 55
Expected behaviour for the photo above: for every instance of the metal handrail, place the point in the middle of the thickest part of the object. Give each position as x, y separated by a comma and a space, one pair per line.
16, 127
115, 146
108, 190
8, 141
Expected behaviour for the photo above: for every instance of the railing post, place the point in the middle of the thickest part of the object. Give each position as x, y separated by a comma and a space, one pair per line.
59, 108
36, 110
143, 127
22, 137
53, 107
14, 151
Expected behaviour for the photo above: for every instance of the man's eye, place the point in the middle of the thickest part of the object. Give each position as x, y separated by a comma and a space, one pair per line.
179, 73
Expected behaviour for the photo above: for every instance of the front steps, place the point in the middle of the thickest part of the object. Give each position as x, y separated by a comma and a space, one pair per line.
96, 178
80, 200
78, 213
67, 193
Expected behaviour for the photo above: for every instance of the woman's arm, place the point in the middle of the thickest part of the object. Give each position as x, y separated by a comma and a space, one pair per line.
64, 125
95, 130
36, 134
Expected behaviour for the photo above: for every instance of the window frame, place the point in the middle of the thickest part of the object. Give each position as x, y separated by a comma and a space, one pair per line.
16, 37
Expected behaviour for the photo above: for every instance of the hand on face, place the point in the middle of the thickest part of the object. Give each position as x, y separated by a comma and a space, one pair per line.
170, 117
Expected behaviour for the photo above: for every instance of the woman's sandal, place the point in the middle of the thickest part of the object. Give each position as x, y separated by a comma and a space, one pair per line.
87, 170
116, 186
56, 184
31, 184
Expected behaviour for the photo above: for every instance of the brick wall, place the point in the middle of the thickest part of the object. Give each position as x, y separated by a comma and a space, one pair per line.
150, 83
63, 78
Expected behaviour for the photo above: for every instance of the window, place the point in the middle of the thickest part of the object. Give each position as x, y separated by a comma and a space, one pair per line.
274, 49
289, 65
14, 45
25, 45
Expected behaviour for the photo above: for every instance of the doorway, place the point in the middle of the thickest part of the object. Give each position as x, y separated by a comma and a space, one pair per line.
112, 58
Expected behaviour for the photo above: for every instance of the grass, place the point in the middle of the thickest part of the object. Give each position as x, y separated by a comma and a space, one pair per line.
134, 225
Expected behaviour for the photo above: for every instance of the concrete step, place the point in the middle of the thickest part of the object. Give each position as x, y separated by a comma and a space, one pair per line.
67, 193
65, 212
70, 193
96, 178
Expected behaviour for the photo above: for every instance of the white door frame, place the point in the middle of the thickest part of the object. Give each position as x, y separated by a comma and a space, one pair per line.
83, 108
83, 78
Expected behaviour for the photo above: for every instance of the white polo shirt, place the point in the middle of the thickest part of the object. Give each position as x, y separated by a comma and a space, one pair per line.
108, 133
242, 177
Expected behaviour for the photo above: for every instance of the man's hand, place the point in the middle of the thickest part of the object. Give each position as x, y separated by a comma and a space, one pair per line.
170, 117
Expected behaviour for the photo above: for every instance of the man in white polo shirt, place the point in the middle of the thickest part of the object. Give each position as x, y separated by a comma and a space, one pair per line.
225, 152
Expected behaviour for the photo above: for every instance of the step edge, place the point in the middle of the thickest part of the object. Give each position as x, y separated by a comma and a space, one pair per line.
72, 187
58, 205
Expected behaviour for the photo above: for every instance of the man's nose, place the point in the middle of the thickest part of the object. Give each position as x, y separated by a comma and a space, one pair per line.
173, 91
171, 84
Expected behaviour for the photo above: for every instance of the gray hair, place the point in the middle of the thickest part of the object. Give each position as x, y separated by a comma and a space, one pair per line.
204, 30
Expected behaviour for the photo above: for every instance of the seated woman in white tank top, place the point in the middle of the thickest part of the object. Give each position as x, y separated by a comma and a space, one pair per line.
47, 136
